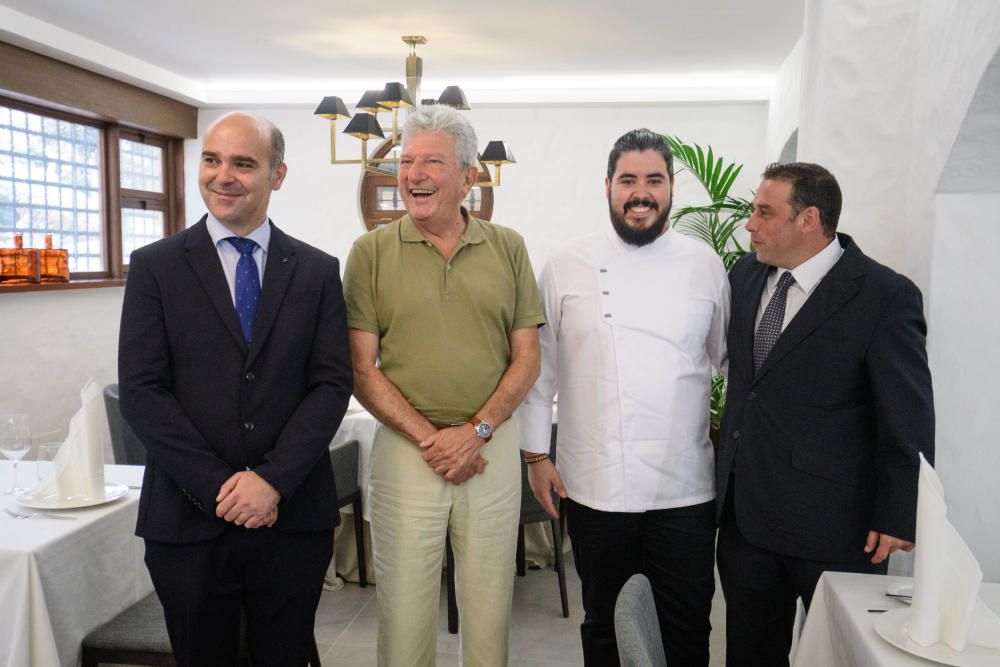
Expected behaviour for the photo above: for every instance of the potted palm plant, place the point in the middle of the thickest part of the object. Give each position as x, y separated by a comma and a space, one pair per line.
715, 223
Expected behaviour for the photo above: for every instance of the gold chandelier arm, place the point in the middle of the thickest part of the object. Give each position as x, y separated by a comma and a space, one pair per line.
490, 184
380, 172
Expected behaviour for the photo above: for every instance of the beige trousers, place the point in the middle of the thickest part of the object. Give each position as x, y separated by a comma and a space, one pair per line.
412, 508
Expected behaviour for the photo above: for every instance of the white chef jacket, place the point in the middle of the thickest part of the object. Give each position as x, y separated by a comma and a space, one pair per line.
630, 338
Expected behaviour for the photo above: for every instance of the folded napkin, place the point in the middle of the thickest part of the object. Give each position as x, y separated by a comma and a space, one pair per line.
946, 578
79, 465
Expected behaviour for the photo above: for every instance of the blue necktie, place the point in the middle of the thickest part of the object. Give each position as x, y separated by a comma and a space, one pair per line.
771, 322
247, 285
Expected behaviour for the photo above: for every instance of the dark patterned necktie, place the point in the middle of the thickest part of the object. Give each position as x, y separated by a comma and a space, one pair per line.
770, 322
247, 285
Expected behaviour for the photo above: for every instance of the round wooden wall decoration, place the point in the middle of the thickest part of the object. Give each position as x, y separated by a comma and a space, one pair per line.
381, 203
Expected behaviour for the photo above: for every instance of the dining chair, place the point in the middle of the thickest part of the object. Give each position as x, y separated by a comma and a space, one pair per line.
531, 512
344, 459
125, 444
138, 636
637, 628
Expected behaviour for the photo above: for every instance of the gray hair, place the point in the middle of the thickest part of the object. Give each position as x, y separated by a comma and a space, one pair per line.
268, 130
441, 118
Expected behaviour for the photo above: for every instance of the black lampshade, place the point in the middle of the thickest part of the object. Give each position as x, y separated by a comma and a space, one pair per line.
332, 108
454, 97
496, 152
364, 126
369, 102
395, 95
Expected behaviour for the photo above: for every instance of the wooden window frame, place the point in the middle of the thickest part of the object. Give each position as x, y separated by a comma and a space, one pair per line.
113, 197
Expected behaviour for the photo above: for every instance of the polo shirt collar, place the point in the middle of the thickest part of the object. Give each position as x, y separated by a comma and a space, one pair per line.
410, 233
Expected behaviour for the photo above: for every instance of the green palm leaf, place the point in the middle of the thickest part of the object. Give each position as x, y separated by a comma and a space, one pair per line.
715, 223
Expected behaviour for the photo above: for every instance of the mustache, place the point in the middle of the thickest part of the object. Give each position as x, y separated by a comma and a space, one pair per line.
649, 203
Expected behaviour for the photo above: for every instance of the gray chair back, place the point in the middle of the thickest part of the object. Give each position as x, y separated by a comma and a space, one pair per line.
125, 444
344, 459
637, 627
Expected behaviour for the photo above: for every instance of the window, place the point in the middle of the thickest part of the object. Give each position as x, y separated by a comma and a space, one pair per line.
143, 192
98, 189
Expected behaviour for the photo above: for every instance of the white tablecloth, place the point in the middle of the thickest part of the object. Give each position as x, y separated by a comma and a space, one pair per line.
59, 580
360, 425
839, 629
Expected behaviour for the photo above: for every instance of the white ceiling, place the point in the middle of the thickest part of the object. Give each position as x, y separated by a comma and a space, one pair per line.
520, 50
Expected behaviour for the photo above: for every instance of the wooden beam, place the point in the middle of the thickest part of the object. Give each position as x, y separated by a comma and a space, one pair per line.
32, 77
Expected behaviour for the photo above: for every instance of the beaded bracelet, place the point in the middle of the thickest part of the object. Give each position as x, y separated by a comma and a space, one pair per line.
535, 458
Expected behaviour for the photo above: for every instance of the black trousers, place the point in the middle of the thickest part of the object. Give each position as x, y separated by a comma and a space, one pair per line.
275, 578
673, 548
761, 588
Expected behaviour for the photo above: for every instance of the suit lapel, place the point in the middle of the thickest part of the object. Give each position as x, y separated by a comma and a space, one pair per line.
277, 275
204, 260
831, 294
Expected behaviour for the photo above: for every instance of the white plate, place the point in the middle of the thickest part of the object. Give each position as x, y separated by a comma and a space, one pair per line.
891, 627
51, 501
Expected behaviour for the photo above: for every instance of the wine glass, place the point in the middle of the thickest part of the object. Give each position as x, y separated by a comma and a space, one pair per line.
15, 441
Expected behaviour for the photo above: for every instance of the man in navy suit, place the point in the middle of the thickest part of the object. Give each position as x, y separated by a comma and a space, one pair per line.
829, 404
235, 373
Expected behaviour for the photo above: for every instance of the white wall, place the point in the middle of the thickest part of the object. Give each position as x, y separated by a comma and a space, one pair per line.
52, 342
786, 98
554, 192
886, 88
963, 325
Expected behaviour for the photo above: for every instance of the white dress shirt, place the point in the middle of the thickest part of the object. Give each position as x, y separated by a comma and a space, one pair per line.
230, 256
807, 275
630, 338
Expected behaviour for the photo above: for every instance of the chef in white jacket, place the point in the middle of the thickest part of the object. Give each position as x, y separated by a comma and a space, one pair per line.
636, 319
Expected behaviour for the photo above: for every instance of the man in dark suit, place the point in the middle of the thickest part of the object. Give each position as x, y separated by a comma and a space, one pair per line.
235, 373
829, 404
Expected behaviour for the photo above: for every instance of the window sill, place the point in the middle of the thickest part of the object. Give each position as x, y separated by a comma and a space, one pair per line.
80, 283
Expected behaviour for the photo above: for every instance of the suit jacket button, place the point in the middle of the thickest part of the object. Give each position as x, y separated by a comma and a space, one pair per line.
753, 395
249, 376
736, 435
247, 426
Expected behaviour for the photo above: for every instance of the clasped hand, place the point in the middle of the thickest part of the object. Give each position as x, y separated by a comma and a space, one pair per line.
454, 453
247, 500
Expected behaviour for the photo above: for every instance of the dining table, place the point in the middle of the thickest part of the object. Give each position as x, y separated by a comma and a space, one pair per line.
359, 424
61, 578
840, 628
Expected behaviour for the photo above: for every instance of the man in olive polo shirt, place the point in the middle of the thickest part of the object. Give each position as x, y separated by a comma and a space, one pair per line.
443, 314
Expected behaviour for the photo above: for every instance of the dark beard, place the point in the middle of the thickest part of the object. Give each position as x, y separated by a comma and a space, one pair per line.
644, 235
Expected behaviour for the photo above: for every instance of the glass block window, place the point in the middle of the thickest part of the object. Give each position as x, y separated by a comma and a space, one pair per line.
474, 200
50, 183
140, 227
387, 198
141, 166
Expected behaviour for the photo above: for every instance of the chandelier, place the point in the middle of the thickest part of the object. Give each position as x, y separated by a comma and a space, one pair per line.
394, 96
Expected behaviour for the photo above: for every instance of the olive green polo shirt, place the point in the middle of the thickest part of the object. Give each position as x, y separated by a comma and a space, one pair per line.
443, 325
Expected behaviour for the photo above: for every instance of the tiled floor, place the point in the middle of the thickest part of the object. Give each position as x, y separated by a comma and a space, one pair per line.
539, 637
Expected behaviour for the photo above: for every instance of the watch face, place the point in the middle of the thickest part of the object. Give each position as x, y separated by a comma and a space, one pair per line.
483, 430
